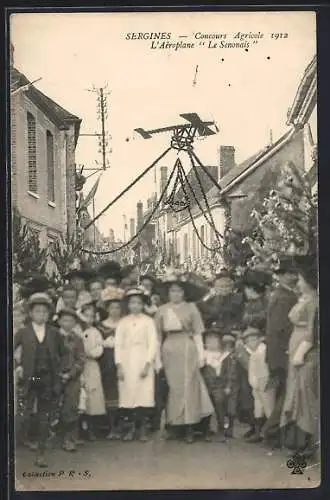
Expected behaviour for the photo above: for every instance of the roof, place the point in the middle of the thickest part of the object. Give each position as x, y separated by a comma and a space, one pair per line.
234, 175
306, 82
58, 115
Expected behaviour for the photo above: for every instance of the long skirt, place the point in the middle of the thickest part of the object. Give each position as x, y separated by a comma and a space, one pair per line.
301, 407
188, 400
109, 378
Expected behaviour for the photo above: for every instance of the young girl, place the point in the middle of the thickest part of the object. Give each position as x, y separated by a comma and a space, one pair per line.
111, 298
91, 377
135, 354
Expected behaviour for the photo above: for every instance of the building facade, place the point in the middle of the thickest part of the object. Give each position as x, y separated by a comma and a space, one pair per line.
43, 143
303, 115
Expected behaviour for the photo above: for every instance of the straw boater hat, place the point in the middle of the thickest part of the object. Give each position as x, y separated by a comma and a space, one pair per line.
67, 312
39, 298
137, 292
112, 294
217, 330
192, 291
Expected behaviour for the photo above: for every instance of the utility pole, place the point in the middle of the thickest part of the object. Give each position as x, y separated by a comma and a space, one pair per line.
103, 138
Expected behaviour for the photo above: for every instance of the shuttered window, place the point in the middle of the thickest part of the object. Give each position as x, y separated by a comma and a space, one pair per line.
50, 166
32, 153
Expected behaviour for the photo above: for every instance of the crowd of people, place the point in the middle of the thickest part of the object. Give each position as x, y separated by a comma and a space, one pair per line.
119, 356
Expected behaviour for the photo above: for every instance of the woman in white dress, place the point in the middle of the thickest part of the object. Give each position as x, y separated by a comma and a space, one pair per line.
91, 377
135, 355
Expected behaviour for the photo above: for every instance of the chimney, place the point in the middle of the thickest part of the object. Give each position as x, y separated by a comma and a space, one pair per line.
139, 215
163, 180
132, 227
12, 50
227, 160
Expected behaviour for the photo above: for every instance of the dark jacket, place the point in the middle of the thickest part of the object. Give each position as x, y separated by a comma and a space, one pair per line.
28, 340
225, 310
73, 358
279, 328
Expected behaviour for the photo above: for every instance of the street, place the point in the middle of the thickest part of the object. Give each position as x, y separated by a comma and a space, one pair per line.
163, 465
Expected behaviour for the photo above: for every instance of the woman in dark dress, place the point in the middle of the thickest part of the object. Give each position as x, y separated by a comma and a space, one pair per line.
111, 298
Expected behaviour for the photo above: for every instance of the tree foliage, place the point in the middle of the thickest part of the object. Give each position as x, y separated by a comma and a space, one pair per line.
28, 256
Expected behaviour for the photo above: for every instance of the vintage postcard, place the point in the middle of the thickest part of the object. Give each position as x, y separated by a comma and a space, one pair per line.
164, 266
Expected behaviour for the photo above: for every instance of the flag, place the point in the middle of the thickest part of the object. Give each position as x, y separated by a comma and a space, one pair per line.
89, 198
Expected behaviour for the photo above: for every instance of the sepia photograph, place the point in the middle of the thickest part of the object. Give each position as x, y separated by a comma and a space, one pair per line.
165, 312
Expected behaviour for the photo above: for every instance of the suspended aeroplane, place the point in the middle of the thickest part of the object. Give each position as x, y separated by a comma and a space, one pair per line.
195, 125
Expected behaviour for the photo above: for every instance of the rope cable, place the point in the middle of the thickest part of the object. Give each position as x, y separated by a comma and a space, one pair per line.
126, 189
211, 221
125, 245
192, 218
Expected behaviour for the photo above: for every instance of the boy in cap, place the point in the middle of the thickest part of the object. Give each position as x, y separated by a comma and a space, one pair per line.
41, 350
70, 370
258, 373
220, 375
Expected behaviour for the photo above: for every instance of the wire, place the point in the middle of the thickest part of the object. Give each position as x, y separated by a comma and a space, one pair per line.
125, 245
127, 189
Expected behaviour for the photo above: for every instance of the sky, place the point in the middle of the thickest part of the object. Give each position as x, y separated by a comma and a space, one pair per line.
247, 93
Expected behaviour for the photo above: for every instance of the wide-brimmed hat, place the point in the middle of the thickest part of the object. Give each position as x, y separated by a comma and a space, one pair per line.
39, 298
126, 270
66, 311
84, 274
34, 283
256, 279
306, 265
225, 274
95, 277
112, 294
110, 269
251, 331
192, 291
286, 265
137, 292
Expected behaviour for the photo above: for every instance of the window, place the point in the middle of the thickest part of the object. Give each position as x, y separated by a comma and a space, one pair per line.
202, 236
50, 166
185, 245
194, 245
32, 153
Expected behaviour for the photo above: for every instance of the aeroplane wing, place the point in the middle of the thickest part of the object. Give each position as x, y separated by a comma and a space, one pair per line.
202, 127
143, 132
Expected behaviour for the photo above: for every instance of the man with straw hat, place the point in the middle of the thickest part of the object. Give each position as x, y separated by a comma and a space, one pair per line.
41, 353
